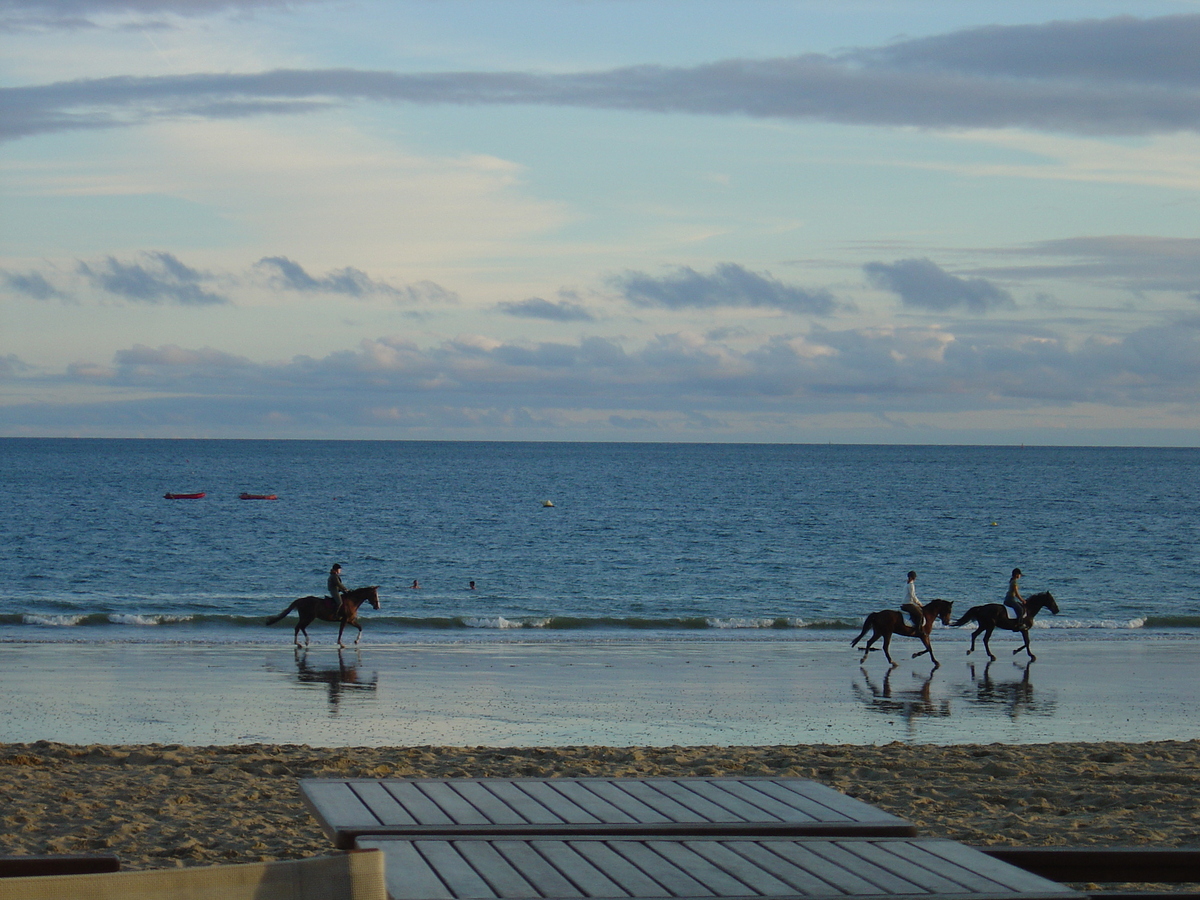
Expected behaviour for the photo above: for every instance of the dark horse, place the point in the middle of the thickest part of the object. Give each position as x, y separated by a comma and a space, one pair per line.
887, 622
991, 616
323, 608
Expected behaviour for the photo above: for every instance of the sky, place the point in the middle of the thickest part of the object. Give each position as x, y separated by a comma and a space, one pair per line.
903, 222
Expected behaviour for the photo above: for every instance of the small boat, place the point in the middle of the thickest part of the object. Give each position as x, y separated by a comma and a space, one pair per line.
196, 496
257, 497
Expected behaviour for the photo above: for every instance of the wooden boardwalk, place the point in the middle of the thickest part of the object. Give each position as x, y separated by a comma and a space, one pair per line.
649, 868
576, 806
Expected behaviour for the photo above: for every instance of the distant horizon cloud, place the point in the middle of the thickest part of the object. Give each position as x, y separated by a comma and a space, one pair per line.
923, 284
550, 310
290, 275
729, 285
1117, 76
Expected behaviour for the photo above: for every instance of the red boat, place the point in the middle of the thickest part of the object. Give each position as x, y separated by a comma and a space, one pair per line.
196, 496
257, 497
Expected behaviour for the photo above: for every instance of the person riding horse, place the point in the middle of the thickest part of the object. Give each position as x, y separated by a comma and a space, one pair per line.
336, 589
1014, 601
911, 604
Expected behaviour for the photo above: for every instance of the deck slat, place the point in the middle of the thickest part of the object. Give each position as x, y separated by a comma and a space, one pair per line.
494, 810
424, 810
597, 807
451, 803
731, 868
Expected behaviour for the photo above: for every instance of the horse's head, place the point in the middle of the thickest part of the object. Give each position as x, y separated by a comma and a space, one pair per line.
1044, 600
373, 596
945, 607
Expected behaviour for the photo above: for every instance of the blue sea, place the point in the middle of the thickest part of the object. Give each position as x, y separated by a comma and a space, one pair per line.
585, 541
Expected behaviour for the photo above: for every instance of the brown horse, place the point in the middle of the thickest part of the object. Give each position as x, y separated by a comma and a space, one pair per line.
325, 609
991, 616
887, 622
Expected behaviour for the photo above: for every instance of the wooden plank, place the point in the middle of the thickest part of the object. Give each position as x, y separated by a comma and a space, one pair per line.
826, 802
885, 881
830, 869
408, 875
458, 874
556, 804
495, 810
528, 807
420, 807
451, 803
682, 791
537, 871
382, 805
590, 880
498, 872
662, 803
672, 880
737, 809
335, 807
756, 877
1013, 876
700, 866
632, 879
614, 793
597, 807
785, 810
895, 860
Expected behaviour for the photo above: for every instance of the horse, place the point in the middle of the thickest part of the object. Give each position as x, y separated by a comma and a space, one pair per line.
887, 622
325, 609
991, 616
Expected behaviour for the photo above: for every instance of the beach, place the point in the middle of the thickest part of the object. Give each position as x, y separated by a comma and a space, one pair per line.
186, 755
159, 806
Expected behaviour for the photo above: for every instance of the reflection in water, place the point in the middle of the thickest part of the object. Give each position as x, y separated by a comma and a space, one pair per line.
910, 704
1015, 697
341, 678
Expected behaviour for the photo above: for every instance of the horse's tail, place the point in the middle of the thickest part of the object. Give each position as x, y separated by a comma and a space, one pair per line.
971, 615
282, 615
866, 627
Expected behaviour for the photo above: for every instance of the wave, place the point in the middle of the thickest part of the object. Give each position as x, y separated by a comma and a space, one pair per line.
544, 623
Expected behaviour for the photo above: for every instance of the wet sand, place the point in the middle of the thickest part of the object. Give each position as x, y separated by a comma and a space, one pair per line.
618, 694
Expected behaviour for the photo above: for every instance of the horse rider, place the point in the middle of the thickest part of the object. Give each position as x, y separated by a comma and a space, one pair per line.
336, 588
1014, 601
912, 605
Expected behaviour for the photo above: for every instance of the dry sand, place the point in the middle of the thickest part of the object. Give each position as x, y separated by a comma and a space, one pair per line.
160, 805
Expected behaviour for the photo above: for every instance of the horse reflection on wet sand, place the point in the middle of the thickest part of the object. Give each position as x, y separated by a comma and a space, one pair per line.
339, 679
909, 704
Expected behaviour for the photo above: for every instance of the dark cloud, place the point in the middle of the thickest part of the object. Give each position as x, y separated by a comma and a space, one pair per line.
469, 382
923, 284
1130, 262
289, 275
32, 284
1121, 76
730, 285
163, 279
553, 311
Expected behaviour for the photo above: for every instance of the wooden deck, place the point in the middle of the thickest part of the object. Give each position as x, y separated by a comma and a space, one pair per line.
649, 868
578, 806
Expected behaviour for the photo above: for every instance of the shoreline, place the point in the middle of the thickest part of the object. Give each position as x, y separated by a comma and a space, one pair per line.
164, 805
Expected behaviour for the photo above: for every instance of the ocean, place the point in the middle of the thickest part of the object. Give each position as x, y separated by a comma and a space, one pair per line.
569, 542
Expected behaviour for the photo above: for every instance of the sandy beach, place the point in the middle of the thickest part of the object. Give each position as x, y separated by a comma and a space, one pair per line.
158, 806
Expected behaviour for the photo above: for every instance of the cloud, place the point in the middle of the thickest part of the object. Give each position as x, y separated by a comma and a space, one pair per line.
681, 384
43, 14
32, 284
163, 279
923, 284
1120, 76
1131, 262
553, 311
348, 281
730, 285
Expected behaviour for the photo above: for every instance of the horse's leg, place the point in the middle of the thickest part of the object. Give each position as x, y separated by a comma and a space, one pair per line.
987, 633
887, 643
341, 628
1025, 635
359, 637
974, 634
